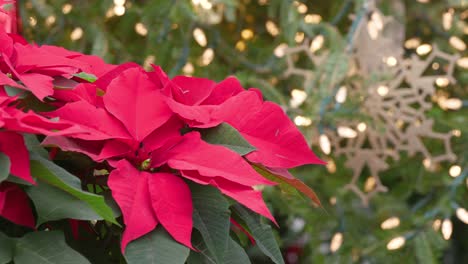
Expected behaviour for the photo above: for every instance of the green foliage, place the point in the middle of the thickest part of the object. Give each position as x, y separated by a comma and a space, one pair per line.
227, 136
4, 166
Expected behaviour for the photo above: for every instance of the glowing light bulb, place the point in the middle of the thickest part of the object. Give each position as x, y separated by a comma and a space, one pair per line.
341, 94
141, 29
336, 242
457, 43
66, 9
331, 166
361, 127
450, 103
302, 8
207, 57
442, 82
76, 34
297, 98
447, 228
247, 34
32, 21
396, 243
325, 144
391, 61
463, 62
299, 37
390, 223
455, 171
280, 50
436, 224
272, 28
200, 37
312, 19
50, 20
370, 184
447, 19
423, 49
412, 43
148, 61
317, 43
119, 2
462, 214
346, 132
188, 69
240, 45
119, 10
302, 121
374, 25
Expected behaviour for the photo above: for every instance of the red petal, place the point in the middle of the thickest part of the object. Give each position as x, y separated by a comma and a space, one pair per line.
130, 190
190, 90
159, 137
12, 144
172, 203
223, 91
135, 100
91, 149
212, 160
14, 205
104, 80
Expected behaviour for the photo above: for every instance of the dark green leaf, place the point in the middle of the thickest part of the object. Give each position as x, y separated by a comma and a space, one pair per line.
226, 135
262, 234
13, 91
46, 248
7, 247
62, 179
235, 254
156, 247
86, 76
52, 204
4, 166
211, 217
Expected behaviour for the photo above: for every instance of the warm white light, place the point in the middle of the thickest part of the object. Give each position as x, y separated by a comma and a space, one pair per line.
396, 243
455, 171
188, 69
272, 28
436, 225
463, 62
450, 103
148, 61
299, 37
456, 132
297, 98
336, 242
341, 94
412, 43
50, 20
462, 214
302, 121
447, 19
325, 144
32, 21
457, 43
119, 10
423, 49
280, 50
205, 4
247, 34
207, 57
447, 228
240, 45
382, 90
302, 9
119, 2
141, 29
331, 166
333, 200
390, 223
312, 19
346, 132
361, 127
391, 61
76, 34
442, 82
370, 183
317, 43
200, 37
374, 25
67, 8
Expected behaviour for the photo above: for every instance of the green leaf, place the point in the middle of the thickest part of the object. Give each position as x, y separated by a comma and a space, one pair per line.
7, 248
235, 254
211, 217
52, 204
226, 135
13, 91
47, 247
4, 166
262, 234
156, 247
62, 179
86, 76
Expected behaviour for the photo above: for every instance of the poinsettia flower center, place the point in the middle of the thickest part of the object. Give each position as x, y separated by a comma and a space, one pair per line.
145, 165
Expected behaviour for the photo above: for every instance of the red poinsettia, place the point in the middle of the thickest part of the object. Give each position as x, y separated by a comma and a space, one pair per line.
133, 128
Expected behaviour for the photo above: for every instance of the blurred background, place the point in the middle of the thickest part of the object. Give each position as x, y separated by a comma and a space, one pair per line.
379, 89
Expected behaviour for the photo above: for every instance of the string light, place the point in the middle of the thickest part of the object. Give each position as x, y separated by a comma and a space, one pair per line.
447, 228
333, 200
119, 10
455, 171
391, 61
66, 9
240, 45
188, 69
442, 82
302, 8
280, 50
247, 34
462, 214
436, 224
200, 37
457, 43
207, 57
370, 184
32, 21
463, 62
450, 103
325, 144
382, 90
302, 121
119, 2
412, 43
297, 98
50, 20
447, 19
331, 166
396, 243
423, 49
456, 132
374, 25
299, 37
312, 18
272, 28
341, 94
346, 132
76, 34
336, 242
361, 127
141, 29
317, 43
390, 223
148, 61
435, 66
